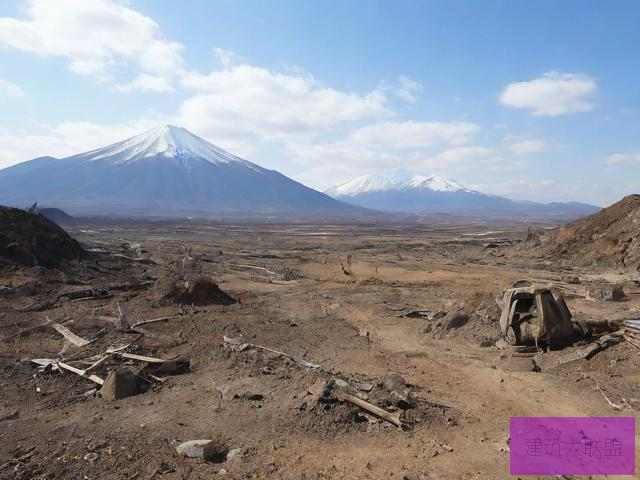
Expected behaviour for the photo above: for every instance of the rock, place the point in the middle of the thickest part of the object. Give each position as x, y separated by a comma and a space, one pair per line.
572, 279
365, 387
91, 457
340, 383
394, 382
235, 453
607, 293
210, 450
120, 383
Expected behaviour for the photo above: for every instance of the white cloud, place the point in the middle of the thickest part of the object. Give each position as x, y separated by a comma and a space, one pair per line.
225, 57
539, 190
450, 157
459, 158
551, 95
413, 134
93, 35
254, 103
64, 139
527, 147
623, 158
10, 89
407, 89
147, 83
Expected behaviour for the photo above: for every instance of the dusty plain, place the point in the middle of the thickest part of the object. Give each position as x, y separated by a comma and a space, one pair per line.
361, 323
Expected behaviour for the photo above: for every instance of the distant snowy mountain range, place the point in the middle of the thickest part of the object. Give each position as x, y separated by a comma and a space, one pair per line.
171, 172
402, 191
167, 171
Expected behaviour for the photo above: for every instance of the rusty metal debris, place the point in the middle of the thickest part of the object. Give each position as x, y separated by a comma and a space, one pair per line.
535, 315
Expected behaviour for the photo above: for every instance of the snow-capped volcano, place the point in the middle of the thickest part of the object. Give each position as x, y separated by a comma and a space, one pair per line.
165, 141
402, 191
166, 171
401, 180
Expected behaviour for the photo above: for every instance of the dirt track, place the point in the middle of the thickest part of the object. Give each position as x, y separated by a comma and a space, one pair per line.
352, 325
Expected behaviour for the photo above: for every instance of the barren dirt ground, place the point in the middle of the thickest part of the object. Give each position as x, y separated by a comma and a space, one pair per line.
356, 325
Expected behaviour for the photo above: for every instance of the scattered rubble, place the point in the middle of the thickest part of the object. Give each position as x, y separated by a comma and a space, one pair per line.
321, 364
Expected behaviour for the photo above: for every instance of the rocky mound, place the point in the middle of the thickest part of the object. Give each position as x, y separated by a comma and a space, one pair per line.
32, 240
201, 291
609, 238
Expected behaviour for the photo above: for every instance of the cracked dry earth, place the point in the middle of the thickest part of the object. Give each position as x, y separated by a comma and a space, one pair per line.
358, 327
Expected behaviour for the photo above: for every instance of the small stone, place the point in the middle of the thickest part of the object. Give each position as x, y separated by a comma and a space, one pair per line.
90, 457
394, 382
120, 383
209, 450
448, 448
235, 453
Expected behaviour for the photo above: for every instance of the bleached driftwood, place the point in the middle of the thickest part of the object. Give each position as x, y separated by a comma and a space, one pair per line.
239, 345
69, 335
153, 320
122, 316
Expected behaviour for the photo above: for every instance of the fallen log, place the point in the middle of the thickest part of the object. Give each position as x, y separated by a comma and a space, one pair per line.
97, 363
153, 320
238, 345
254, 267
122, 316
46, 362
374, 410
613, 405
69, 335
141, 358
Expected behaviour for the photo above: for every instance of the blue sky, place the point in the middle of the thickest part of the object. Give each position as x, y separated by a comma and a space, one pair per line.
534, 100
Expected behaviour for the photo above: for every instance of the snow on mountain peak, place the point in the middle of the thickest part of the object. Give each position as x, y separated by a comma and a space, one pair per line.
389, 180
166, 140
